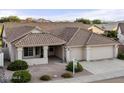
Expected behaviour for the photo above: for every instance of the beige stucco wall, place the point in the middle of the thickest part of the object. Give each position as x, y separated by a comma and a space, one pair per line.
97, 30
103, 52
32, 60
12, 52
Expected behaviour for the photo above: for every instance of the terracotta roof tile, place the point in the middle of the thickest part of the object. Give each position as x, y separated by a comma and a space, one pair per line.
96, 39
38, 39
80, 38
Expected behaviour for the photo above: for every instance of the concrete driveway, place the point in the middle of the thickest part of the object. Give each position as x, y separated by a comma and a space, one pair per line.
104, 66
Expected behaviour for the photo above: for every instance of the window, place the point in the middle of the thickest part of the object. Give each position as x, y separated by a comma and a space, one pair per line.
37, 50
33, 52
28, 51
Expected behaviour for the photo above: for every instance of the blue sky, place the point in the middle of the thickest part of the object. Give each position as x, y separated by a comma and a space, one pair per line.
66, 14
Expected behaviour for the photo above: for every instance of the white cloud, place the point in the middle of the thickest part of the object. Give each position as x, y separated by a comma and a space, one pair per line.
105, 14
111, 15
8, 12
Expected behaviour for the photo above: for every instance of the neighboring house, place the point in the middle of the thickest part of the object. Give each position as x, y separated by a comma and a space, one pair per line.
103, 28
96, 29
120, 33
108, 26
35, 43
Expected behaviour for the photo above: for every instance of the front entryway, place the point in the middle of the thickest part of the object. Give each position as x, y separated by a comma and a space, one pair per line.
54, 59
55, 54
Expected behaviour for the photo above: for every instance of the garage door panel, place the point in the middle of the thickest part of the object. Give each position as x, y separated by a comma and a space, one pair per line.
77, 53
101, 52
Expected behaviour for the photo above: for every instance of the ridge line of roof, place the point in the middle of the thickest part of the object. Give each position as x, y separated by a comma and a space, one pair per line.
34, 27
36, 33
102, 36
98, 27
22, 38
74, 35
91, 33
56, 36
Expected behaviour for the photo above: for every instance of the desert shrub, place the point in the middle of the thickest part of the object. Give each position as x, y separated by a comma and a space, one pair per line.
67, 75
78, 68
21, 76
17, 65
120, 56
45, 78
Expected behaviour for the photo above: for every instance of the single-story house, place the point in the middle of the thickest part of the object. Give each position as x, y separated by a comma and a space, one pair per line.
96, 29
35, 43
104, 28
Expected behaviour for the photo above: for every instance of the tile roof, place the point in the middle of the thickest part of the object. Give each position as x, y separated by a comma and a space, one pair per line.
68, 33
15, 32
38, 39
71, 34
96, 39
80, 38
84, 37
107, 26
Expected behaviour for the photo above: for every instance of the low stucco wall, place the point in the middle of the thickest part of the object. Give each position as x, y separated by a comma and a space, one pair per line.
36, 61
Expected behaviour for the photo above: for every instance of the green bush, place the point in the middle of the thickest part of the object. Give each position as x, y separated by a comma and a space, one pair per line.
17, 65
78, 68
121, 56
21, 76
67, 75
45, 78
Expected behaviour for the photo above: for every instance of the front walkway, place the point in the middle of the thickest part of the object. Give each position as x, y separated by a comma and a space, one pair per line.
52, 60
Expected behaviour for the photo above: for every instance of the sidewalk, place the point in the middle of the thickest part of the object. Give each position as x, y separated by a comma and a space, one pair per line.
91, 78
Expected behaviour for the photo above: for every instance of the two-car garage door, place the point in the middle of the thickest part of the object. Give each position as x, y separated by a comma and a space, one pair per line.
103, 52
95, 53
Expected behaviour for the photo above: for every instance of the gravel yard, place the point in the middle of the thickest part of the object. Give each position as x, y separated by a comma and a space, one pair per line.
50, 69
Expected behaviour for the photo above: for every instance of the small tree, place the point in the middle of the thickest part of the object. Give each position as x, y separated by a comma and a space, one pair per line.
96, 21
111, 34
85, 21
13, 19
9, 19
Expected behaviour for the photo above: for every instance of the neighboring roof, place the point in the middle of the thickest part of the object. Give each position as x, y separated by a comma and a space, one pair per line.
15, 32
38, 39
121, 25
108, 26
